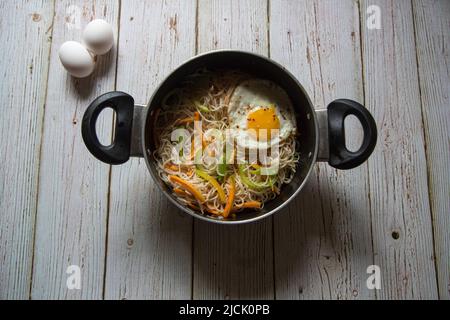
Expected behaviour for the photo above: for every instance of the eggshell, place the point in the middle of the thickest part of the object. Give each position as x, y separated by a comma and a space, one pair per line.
76, 59
98, 36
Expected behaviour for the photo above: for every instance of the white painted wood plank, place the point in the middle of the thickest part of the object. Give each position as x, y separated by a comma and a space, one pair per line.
149, 241
73, 188
233, 262
323, 239
25, 36
397, 169
432, 29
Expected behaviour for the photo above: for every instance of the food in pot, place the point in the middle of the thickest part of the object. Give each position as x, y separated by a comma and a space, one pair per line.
260, 104
225, 142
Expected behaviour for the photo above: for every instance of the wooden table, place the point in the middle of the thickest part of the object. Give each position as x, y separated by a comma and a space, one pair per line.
59, 206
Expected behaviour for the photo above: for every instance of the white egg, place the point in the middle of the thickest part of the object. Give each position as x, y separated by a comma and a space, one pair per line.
99, 36
76, 59
260, 104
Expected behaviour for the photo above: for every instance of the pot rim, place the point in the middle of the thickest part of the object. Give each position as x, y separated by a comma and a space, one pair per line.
205, 217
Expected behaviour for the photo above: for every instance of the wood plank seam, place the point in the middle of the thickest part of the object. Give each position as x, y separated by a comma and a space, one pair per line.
113, 122
40, 151
63, 224
363, 78
27, 25
400, 201
428, 187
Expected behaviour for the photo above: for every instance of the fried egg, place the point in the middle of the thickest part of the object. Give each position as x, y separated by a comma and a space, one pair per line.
260, 114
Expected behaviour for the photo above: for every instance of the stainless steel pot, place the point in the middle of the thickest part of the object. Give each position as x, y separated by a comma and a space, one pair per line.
321, 132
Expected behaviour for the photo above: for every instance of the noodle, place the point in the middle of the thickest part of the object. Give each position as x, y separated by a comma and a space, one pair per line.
208, 94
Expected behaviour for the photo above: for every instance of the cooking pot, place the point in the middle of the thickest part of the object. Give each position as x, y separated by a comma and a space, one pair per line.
321, 134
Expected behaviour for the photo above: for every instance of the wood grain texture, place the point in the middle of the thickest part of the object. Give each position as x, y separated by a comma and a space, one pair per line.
432, 30
233, 262
401, 218
55, 197
73, 187
323, 239
149, 240
26, 28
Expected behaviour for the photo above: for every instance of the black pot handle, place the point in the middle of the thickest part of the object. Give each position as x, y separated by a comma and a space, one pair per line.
340, 156
119, 151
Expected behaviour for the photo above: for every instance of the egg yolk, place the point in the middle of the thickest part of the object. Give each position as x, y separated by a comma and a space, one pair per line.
263, 118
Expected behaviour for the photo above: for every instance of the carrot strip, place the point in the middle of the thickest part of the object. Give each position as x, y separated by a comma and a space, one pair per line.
213, 211
189, 119
188, 187
172, 167
193, 206
181, 192
184, 121
230, 201
247, 205
175, 167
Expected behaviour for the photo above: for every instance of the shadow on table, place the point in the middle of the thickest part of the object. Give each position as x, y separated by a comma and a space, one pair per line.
317, 247
321, 243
